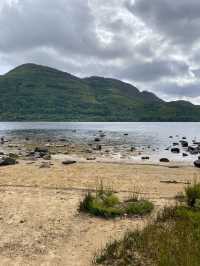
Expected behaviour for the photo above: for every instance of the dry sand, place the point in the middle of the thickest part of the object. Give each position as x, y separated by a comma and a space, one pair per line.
39, 221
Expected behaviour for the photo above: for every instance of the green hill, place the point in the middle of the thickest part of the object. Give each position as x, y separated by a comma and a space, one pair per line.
31, 93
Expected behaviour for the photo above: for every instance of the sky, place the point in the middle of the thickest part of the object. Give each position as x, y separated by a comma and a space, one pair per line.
153, 44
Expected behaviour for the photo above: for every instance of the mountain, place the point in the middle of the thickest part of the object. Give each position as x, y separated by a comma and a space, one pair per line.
38, 93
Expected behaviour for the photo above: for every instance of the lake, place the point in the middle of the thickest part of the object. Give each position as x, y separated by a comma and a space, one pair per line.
150, 137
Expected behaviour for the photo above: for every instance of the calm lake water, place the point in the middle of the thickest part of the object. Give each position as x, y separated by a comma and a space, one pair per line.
153, 138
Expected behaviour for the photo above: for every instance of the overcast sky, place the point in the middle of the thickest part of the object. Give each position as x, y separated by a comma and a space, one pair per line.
154, 44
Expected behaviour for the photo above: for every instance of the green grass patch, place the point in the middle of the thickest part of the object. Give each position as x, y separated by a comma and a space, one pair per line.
106, 204
173, 242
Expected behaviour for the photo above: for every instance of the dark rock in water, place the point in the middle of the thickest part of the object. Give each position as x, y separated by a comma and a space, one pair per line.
175, 150
125, 134
164, 160
197, 163
67, 162
193, 149
184, 138
97, 139
170, 137
1, 153
102, 135
7, 161
133, 149
185, 154
184, 143
175, 144
145, 158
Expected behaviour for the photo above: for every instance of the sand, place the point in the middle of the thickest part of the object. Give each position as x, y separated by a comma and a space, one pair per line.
39, 221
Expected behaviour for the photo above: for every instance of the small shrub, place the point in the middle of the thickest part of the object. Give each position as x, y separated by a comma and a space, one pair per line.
106, 204
140, 207
192, 194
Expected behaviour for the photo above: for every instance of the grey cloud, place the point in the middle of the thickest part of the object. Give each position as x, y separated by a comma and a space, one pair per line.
142, 41
191, 90
155, 70
177, 20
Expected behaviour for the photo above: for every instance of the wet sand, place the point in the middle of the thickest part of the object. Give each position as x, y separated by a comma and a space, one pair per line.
39, 221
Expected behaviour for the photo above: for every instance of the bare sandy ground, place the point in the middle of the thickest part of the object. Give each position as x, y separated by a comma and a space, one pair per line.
39, 221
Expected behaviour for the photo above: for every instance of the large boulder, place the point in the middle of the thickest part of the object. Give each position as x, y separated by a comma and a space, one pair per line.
7, 161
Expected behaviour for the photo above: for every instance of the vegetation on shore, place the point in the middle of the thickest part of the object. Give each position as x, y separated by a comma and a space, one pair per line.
107, 205
173, 239
37, 93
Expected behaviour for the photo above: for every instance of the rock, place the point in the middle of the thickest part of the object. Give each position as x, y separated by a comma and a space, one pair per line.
170, 137
133, 149
175, 144
185, 154
102, 135
145, 158
197, 163
175, 150
1, 153
125, 134
97, 139
91, 159
67, 162
184, 143
164, 160
184, 138
7, 161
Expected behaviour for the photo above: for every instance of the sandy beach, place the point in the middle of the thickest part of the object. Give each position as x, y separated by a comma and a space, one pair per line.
39, 219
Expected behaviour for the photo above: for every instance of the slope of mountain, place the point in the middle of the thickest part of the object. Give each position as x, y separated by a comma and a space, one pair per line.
31, 93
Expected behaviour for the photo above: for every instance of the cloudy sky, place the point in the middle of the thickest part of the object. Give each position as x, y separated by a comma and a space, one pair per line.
154, 44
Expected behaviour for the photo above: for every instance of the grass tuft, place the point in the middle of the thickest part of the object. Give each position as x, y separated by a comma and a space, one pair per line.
107, 205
